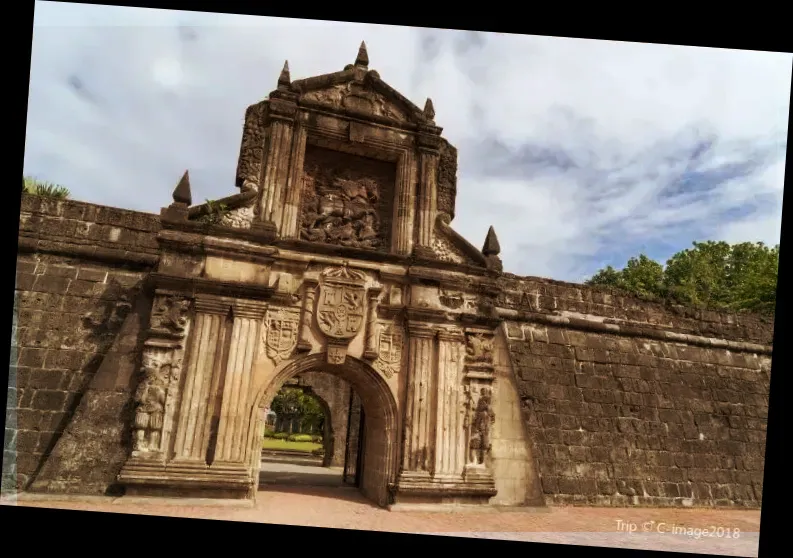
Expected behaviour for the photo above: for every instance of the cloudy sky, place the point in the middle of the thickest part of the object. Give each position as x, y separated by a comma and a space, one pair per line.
581, 153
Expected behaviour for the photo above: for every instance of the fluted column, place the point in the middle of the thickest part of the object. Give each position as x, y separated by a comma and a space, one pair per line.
417, 455
235, 405
405, 205
449, 431
206, 351
427, 194
276, 171
309, 296
290, 224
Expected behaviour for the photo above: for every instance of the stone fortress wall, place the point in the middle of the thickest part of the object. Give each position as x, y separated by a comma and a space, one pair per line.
630, 402
623, 401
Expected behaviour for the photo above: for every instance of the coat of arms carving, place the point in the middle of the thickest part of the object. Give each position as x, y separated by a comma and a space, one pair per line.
282, 333
340, 308
389, 352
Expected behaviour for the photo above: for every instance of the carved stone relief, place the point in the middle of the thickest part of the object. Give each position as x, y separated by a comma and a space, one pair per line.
447, 178
281, 333
340, 309
170, 315
456, 300
239, 218
150, 399
389, 351
446, 251
249, 166
346, 199
356, 96
161, 369
480, 423
478, 348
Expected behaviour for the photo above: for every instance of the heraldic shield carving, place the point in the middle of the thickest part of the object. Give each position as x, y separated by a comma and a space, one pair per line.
340, 309
282, 333
389, 355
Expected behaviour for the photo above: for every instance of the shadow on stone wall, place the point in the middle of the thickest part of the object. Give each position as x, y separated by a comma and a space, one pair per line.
96, 436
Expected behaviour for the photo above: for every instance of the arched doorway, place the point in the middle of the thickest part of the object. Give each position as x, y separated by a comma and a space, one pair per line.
300, 412
378, 455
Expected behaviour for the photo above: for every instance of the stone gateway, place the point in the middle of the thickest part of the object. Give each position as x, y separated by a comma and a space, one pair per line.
147, 348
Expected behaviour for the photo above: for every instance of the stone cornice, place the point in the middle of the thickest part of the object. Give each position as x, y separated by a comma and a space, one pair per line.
259, 233
88, 252
192, 286
632, 330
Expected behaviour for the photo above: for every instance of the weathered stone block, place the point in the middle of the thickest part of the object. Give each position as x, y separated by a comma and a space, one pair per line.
49, 400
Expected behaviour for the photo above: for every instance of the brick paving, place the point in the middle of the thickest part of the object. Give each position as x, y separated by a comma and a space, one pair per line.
345, 508
314, 496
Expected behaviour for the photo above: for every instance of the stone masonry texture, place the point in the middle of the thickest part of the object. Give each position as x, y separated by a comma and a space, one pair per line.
619, 416
79, 285
630, 420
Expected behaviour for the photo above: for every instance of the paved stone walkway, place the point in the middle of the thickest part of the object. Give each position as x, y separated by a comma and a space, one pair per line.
313, 496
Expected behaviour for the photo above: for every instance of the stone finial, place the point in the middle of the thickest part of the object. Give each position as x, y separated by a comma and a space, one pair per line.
429, 110
362, 60
181, 193
284, 79
491, 247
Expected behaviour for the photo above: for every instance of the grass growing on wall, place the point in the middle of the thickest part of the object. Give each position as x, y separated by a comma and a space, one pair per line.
36, 187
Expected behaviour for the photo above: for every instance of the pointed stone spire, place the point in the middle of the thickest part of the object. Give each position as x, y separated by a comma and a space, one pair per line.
491, 247
362, 60
181, 193
284, 79
429, 110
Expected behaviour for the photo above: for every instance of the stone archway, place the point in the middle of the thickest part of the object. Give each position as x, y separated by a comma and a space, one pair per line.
380, 407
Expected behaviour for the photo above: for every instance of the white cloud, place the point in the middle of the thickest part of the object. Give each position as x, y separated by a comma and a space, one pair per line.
572, 148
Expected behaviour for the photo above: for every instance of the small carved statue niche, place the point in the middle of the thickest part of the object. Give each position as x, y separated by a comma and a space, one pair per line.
150, 398
482, 418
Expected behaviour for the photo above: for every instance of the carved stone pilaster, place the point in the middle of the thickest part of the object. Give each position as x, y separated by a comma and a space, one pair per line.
291, 214
231, 447
370, 350
427, 199
418, 450
405, 206
450, 439
309, 299
276, 170
207, 347
158, 392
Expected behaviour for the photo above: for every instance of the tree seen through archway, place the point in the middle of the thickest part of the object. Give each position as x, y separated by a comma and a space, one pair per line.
299, 421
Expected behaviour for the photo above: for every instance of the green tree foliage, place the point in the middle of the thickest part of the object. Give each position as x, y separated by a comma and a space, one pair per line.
38, 188
292, 403
641, 276
738, 277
